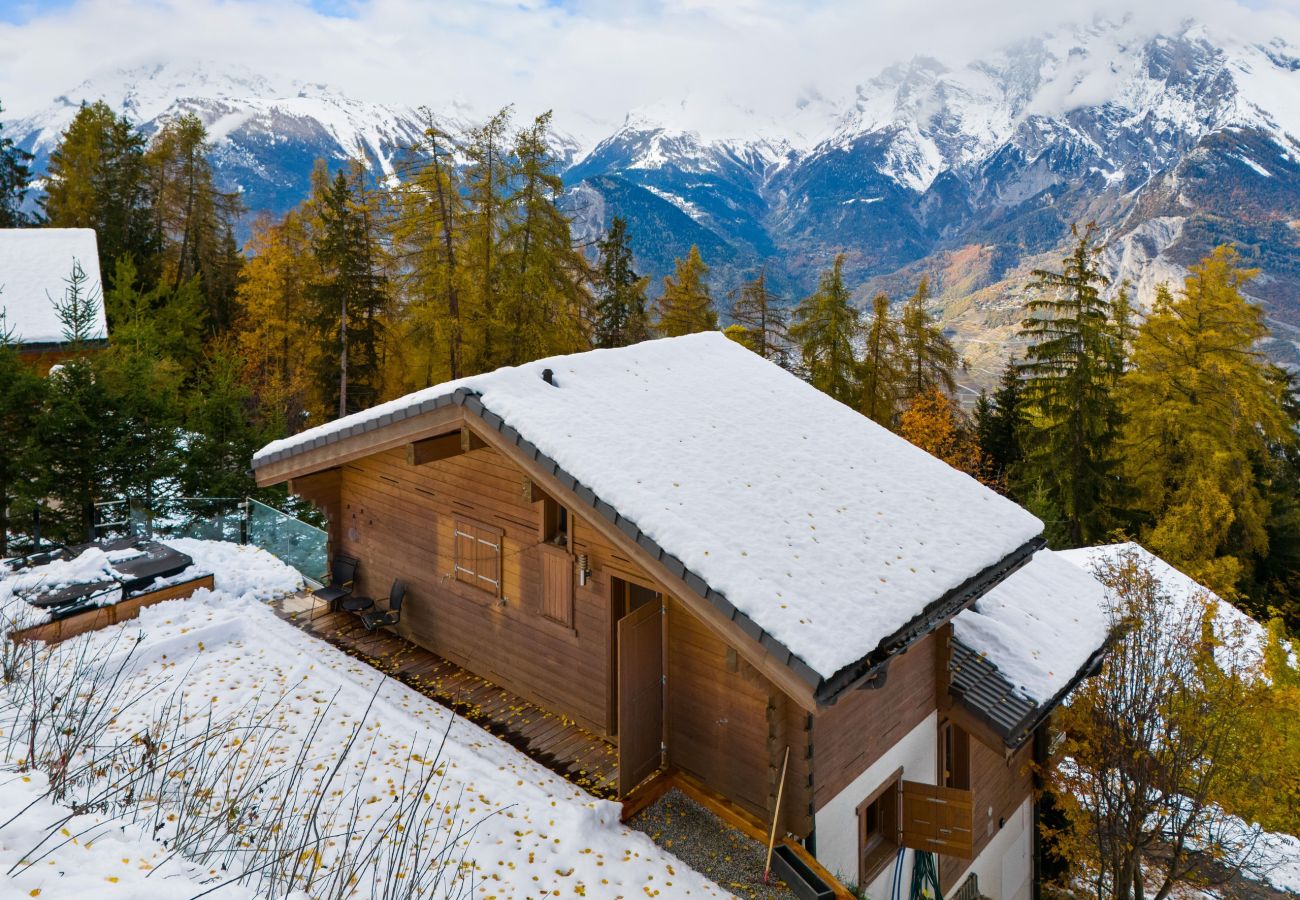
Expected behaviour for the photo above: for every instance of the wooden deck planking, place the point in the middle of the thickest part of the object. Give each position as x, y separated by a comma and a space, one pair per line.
561, 745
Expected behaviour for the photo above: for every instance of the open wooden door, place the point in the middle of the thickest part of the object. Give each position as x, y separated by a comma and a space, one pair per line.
640, 695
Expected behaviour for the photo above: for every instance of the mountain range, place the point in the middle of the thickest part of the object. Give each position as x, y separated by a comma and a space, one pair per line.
970, 175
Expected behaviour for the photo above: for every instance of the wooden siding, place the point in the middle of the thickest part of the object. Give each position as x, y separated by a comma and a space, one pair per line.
997, 783
398, 519
728, 726
851, 735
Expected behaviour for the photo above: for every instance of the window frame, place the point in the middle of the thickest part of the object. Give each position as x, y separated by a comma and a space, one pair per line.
955, 739
473, 577
876, 849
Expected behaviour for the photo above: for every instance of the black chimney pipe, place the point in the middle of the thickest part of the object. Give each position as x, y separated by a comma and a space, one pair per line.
548, 376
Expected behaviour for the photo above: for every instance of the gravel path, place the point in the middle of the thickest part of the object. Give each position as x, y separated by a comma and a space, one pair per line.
700, 839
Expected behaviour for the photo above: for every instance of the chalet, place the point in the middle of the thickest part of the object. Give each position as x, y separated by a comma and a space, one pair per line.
705, 562
35, 264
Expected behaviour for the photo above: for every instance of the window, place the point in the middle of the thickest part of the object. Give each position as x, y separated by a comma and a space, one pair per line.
878, 829
954, 756
555, 523
478, 556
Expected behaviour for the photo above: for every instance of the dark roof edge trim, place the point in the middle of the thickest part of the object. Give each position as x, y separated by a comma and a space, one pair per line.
58, 346
825, 691
1039, 714
934, 615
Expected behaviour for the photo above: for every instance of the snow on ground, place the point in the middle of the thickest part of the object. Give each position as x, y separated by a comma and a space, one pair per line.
706, 447
225, 651
107, 860
241, 570
1039, 626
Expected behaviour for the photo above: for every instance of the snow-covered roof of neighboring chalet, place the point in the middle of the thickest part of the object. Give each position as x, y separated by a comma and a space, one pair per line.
34, 267
1040, 627
1182, 589
828, 531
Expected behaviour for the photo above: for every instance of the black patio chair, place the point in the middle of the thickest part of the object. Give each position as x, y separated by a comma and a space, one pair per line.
391, 616
343, 572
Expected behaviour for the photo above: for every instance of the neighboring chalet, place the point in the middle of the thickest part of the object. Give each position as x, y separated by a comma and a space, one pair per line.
705, 561
35, 264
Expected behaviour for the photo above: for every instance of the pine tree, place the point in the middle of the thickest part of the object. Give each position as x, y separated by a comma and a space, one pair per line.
762, 323
97, 178
15, 176
78, 309
686, 306
621, 317
928, 356
826, 327
350, 296
1202, 406
220, 413
487, 187
881, 371
1069, 460
75, 434
21, 397
999, 420
430, 215
544, 307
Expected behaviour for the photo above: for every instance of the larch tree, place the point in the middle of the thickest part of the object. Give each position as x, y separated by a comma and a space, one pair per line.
195, 220
427, 232
545, 306
929, 358
15, 176
760, 321
1067, 475
933, 422
881, 371
686, 305
97, 178
621, 317
274, 335
1202, 408
826, 326
487, 191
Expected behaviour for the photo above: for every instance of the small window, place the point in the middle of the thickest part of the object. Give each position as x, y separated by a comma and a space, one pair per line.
555, 523
878, 829
478, 556
954, 756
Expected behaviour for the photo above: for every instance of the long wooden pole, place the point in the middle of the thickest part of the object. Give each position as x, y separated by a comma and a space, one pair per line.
776, 817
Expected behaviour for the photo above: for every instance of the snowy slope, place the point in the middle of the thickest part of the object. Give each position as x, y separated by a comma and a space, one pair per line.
712, 460
540, 833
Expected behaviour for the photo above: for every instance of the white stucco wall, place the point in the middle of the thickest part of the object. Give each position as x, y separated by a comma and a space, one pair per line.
1004, 866
837, 822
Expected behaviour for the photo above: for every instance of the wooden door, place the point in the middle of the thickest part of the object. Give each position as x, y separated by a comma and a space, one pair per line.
640, 695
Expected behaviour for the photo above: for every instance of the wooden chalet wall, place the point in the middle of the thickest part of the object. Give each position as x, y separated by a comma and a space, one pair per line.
999, 784
398, 520
728, 725
852, 734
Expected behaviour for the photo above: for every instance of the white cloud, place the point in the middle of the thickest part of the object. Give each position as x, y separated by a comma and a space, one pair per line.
590, 60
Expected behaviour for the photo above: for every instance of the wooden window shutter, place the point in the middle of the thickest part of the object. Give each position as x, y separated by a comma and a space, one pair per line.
489, 559
557, 585
466, 553
938, 819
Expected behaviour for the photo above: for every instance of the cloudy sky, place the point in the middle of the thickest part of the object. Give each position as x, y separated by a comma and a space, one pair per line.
590, 60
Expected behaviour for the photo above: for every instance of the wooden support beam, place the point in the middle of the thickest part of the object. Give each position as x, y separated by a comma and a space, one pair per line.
470, 441
428, 450
531, 492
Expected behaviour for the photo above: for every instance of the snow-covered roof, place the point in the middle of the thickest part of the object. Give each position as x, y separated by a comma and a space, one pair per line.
34, 267
827, 530
1040, 626
1182, 589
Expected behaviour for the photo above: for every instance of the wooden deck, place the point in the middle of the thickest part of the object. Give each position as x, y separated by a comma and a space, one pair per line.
584, 758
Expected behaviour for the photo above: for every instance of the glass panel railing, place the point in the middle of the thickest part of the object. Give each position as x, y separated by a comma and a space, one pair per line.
208, 518
292, 540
